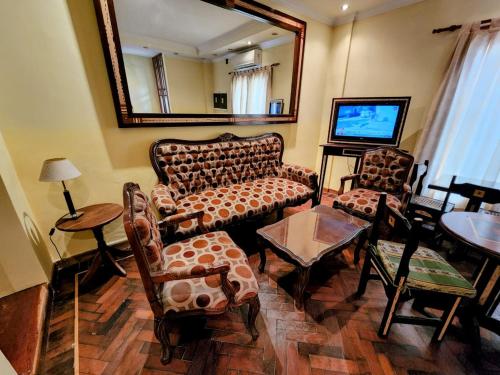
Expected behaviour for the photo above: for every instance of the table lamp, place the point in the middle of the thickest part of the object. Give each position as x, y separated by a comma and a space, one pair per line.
61, 169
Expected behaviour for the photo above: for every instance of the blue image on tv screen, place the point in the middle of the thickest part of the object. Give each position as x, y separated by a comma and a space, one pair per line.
369, 121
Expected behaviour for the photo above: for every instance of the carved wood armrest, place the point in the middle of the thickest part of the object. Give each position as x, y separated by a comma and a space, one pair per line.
354, 177
170, 223
190, 272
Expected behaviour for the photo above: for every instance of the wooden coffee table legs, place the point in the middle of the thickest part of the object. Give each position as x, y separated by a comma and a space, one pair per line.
303, 274
300, 287
103, 256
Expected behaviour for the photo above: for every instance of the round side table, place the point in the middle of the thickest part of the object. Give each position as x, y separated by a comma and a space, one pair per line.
94, 218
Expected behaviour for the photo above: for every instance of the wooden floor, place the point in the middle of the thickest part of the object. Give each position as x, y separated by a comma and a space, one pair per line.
335, 334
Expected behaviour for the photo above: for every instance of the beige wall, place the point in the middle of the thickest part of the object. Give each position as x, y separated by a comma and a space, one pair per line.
142, 84
188, 84
222, 82
396, 54
55, 101
282, 74
24, 259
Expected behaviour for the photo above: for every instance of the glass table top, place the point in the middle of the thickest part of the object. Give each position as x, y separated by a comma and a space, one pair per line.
308, 235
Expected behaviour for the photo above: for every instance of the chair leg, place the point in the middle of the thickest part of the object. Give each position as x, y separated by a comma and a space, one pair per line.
253, 311
446, 320
365, 273
390, 310
161, 330
359, 246
280, 214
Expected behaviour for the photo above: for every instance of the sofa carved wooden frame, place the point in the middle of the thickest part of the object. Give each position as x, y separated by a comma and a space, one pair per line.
110, 40
163, 321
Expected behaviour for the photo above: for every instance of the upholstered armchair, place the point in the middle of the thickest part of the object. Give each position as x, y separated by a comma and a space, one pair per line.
204, 275
383, 169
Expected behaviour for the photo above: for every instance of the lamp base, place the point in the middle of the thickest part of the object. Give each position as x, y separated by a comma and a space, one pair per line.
74, 216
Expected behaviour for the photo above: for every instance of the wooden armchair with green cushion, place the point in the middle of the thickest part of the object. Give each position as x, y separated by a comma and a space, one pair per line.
408, 271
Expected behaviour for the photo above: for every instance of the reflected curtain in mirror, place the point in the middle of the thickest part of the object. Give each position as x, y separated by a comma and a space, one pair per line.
250, 90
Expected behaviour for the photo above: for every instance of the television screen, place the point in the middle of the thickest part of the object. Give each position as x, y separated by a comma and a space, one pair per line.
368, 120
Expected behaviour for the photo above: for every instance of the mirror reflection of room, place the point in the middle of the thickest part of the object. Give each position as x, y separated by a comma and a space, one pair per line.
193, 57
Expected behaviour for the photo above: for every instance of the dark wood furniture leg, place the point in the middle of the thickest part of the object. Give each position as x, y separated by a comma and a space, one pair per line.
103, 256
361, 241
324, 162
261, 245
302, 282
253, 311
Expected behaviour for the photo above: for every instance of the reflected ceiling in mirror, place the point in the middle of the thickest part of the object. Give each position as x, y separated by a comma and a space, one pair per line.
193, 62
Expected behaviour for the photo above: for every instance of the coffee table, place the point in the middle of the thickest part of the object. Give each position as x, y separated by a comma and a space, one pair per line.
305, 238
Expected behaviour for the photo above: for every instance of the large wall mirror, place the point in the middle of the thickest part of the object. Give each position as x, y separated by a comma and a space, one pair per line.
201, 62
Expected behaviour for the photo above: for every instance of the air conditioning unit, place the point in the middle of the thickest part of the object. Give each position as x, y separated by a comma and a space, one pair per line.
248, 59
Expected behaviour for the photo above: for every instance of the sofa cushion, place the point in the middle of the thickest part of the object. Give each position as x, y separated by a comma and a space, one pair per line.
192, 168
206, 293
364, 202
230, 204
428, 270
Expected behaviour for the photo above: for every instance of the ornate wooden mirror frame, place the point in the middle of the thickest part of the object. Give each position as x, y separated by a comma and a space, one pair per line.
116, 70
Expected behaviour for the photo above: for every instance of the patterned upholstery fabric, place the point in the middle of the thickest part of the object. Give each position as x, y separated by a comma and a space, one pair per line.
146, 225
191, 169
162, 199
206, 293
230, 204
384, 169
299, 174
428, 270
364, 202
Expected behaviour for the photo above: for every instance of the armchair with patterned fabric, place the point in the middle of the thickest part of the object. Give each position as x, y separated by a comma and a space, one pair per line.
204, 275
383, 169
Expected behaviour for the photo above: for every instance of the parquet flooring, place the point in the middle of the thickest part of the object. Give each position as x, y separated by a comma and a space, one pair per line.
335, 334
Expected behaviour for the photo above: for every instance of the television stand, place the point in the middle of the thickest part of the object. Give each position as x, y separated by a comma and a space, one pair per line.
348, 150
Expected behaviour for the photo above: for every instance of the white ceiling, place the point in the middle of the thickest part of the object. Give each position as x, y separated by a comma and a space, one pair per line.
190, 22
330, 12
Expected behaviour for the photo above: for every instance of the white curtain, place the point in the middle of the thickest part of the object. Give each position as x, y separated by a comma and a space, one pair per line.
462, 134
250, 91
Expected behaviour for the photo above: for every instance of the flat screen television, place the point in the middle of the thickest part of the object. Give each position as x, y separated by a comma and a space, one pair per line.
376, 121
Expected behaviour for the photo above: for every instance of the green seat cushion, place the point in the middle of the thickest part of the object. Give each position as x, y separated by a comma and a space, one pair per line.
428, 270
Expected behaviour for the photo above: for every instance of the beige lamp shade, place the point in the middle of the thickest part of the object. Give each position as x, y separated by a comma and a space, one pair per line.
58, 169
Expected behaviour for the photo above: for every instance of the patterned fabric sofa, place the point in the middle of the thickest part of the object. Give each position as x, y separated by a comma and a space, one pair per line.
383, 169
229, 178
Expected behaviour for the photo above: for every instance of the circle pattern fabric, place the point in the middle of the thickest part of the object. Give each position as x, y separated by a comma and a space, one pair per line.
231, 204
364, 201
384, 169
193, 255
190, 169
